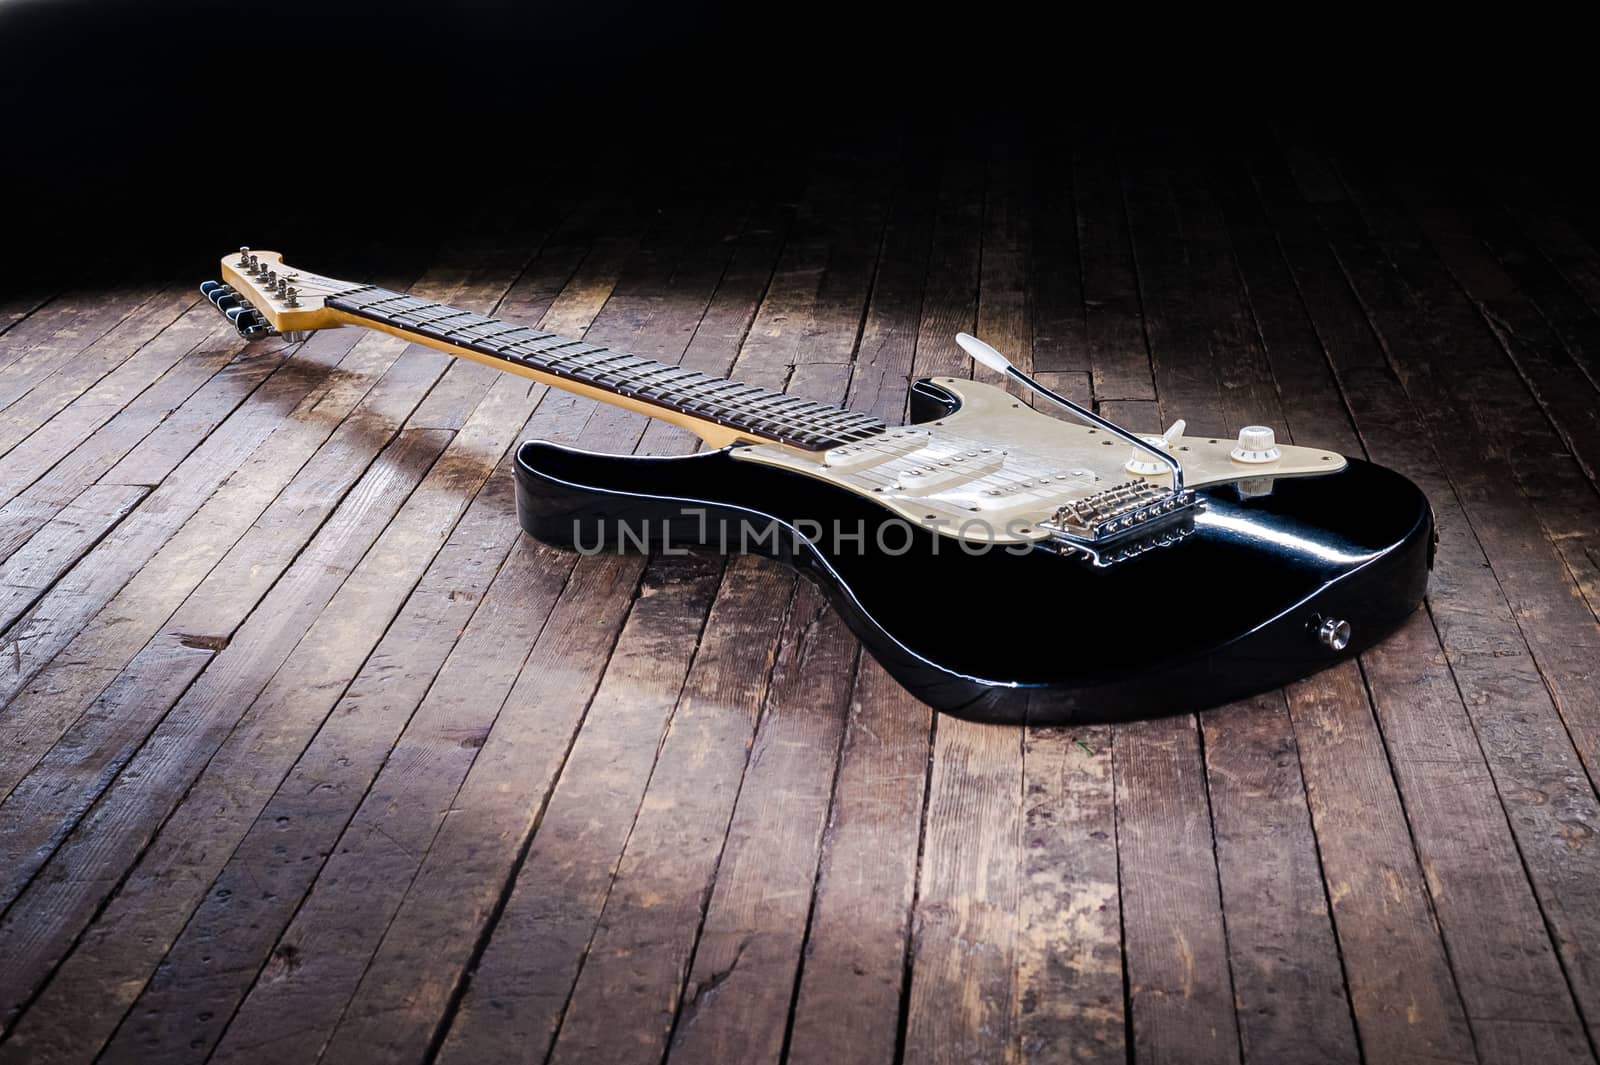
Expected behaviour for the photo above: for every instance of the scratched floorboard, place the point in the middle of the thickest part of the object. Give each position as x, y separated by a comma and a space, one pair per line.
309, 755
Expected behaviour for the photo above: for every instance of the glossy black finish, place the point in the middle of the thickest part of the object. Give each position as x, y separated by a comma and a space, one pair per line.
1034, 637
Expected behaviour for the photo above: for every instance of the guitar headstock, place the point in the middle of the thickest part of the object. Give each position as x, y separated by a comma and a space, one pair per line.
263, 297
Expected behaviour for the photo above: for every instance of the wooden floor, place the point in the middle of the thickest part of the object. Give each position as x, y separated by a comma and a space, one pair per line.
307, 753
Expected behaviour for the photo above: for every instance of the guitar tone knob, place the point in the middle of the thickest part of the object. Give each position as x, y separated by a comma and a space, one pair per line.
1257, 443
1142, 462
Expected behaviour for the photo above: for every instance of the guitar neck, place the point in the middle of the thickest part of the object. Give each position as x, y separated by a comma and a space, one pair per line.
720, 411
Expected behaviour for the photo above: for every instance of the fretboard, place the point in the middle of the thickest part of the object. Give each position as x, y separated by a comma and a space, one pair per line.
758, 412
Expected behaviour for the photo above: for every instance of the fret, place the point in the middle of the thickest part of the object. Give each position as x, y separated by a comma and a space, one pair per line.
464, 332
776, 401
722, 395
639, 388
839, 417
422, 306
395, 311
761, 412
592, 372
507, 331
707, 383
623, 371
560, 342
534, 350
540, 349
449, 312
799, 410
576, 355
506, 349
384, 296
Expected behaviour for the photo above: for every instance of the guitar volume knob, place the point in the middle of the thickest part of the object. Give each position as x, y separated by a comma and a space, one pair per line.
1257, 443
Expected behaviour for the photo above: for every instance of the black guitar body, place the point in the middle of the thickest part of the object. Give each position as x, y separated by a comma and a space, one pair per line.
1028, 635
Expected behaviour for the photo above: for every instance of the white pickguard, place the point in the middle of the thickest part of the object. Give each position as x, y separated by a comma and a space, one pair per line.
996, 468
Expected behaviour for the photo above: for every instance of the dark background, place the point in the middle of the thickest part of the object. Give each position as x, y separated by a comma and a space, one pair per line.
180, 127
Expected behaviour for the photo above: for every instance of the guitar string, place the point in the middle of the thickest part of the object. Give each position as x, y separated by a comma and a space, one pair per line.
765, 408
811, 423
880, 475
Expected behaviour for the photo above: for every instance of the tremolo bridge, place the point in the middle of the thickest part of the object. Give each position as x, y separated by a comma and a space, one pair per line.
1125, 520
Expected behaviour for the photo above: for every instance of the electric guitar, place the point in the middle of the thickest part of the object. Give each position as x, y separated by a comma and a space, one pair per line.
1002, 564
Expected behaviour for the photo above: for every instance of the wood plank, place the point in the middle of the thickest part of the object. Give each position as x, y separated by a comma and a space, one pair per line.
816, 299
338, 766
634, 700
41, 924
44, 341
1180, 992
950, 291
330, 653
139, 577
519, 991
58, 436
1288, 988
1118, 356
418, 915
159, 673
155, 598
438, 676
1175, 327
19, 307
516, 998
1550, 680
852, 986
882, 370
1541, 323
1069, 981
1402, 990
746, 963
1504, 967
854, 971
63, 540
961, 1001
962, 997
156, 897
1005, 304
1069, 954
655, 907
1559, 243
1060, 330
1290, 994
102, 378
1374, 882
147, 439
1559, 490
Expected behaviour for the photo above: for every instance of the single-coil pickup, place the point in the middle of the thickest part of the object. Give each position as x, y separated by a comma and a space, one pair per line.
1043, 486
876, 450
929, 472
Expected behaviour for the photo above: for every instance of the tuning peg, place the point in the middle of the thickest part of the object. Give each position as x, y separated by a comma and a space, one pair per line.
226, 301
208, 287
252, 326
248, 322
